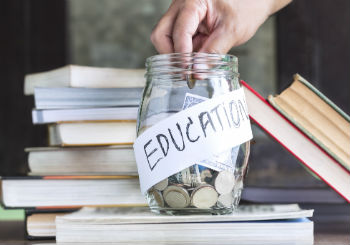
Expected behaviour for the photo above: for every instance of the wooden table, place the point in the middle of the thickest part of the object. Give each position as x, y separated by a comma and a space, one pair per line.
12, 232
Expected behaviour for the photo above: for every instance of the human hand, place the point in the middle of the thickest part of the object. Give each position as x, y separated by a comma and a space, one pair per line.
211, 26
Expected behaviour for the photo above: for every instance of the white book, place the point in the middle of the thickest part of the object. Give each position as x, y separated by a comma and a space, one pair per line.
71, 191
69, 98
85, 76
84, 114
92, 133
105, 160
263, 224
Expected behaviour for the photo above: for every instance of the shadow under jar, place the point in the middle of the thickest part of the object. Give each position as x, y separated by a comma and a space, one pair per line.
196, 189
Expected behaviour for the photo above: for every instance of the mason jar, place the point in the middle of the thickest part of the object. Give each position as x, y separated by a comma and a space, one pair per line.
194, 77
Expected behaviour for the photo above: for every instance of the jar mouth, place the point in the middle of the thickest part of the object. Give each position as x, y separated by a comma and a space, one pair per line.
164, 57
192, 63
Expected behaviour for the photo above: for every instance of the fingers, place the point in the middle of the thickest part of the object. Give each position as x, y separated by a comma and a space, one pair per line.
161, 36
218, 42
186, 25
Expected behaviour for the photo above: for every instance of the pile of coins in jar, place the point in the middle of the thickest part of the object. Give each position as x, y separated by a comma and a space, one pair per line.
194, 187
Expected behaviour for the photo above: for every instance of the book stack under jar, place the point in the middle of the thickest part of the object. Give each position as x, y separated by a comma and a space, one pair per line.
89, 161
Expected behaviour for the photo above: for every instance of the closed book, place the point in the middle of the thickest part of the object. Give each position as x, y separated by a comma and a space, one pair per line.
40, 223
85, 76
318, 117
70, 191
84, 114
68, 98
89, 133
268, 224
102, 160
297, 143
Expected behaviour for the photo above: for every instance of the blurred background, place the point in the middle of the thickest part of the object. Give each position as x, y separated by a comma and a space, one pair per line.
310, 37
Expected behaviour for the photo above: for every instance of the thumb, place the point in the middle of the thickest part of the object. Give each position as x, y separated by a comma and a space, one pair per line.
218, 42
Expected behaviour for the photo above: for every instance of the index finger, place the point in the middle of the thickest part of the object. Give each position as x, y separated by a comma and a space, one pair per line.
186, 26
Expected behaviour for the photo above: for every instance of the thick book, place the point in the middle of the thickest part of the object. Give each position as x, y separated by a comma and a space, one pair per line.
88, 133
69, 98
84, 114
297, 143
85, 76
40, 224
103, 160
70, 191
268, 224
318, 117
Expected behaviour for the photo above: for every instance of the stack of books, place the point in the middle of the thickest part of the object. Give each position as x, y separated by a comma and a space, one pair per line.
89, 161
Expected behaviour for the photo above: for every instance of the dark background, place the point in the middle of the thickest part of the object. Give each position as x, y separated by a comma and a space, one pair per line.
313, 38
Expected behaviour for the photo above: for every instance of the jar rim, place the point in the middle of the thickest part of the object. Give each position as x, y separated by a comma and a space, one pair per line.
160, 57
175, 65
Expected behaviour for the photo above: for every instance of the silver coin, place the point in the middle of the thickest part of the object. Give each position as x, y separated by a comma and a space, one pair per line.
226, 200
204, 196
157, 197
224, 182
160, 186
176, 196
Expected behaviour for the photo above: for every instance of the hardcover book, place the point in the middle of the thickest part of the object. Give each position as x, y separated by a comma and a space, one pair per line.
88, 133
318, 117
267, 224
42, 192
297, 143
85, 76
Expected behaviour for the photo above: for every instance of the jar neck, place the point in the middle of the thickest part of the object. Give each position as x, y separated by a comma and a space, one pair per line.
175, 66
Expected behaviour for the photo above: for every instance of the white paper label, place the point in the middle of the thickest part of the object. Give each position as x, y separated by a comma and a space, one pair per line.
190, 136
224, 161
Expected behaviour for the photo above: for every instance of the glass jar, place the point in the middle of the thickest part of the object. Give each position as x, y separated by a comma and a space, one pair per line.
198, 188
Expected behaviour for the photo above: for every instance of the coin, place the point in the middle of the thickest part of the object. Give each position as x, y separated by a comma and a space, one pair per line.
176, 196
204, 196
224, 182
160, 186
226, 200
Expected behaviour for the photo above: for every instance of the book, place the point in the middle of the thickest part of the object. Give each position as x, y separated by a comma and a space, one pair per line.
268, 224
92, 133
69, 98
70, 191
297, 143
40, 224
84, 114
85, 76
105, 160
317, 116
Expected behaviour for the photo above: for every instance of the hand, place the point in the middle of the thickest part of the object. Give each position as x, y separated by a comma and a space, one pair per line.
211, 26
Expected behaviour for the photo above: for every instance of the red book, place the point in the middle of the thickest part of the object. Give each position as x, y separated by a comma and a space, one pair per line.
297, 143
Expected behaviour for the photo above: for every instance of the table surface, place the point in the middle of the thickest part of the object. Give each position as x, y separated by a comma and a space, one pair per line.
12, 232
